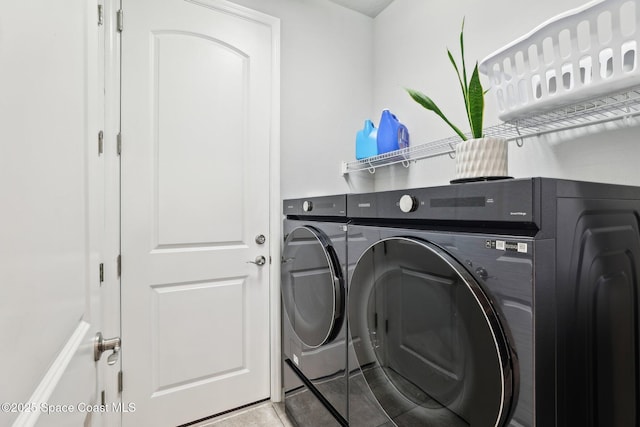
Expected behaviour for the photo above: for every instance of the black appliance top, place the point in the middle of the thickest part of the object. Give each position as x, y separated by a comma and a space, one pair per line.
525, 201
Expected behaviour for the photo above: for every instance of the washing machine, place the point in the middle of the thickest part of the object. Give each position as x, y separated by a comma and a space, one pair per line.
313, 289
490, 304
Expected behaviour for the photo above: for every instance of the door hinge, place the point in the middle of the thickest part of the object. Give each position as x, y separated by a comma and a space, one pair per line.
100, 15
120, 387
119, 143
100, 143
119, 268
120, 19
101, 273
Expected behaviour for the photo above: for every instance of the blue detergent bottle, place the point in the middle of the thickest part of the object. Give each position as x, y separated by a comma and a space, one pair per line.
366, 141
392, 135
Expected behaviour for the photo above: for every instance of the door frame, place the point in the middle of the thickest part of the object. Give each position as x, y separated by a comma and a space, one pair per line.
111, 308
275, 205
113, 52
275, 214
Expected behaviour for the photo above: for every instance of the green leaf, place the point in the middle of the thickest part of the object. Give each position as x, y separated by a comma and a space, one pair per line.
427, 103
464, 66
463, 85
476, 103
463, 80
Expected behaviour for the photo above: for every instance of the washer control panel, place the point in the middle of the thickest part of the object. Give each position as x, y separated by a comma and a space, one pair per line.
317, 206
408, 203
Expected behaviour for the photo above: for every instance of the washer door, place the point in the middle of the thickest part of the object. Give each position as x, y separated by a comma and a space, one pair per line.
427, 339
312, 286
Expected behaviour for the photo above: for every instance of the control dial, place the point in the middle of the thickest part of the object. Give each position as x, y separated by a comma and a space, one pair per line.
408, 203
307, 206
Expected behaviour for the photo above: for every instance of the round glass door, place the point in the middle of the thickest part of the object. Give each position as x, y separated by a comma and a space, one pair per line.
427, 339
312, 286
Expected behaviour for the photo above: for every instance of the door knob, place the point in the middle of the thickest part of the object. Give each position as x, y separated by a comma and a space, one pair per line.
110, 344
260, 260
260, 239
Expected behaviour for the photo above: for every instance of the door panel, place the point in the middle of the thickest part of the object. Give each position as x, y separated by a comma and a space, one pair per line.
211, 303
209, 106
50, 175
196, 108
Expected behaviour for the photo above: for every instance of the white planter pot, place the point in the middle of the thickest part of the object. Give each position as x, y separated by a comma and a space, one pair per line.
482, 158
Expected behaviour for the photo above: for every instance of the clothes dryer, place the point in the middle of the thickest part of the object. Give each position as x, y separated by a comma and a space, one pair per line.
507, 303
313, 288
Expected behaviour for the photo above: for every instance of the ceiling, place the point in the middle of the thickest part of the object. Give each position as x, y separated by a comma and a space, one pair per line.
368, 7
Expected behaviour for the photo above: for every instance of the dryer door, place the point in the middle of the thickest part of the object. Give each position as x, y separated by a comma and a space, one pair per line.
312, 286
427, 340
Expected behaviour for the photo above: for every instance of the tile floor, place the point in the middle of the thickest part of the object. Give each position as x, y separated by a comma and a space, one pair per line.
265, 414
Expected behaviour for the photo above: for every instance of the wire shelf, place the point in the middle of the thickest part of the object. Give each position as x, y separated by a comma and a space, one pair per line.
617, 106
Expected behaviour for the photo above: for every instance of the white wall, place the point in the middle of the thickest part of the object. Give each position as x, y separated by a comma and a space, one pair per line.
340, 67
326, 62
410, 41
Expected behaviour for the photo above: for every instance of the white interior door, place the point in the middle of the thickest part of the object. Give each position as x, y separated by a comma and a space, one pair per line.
50, 174
196, 123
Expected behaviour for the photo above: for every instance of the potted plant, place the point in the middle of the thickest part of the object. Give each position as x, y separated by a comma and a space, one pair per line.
478, 157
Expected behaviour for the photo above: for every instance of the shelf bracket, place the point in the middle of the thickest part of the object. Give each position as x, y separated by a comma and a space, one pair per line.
371, 168
452, 153
519, 139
